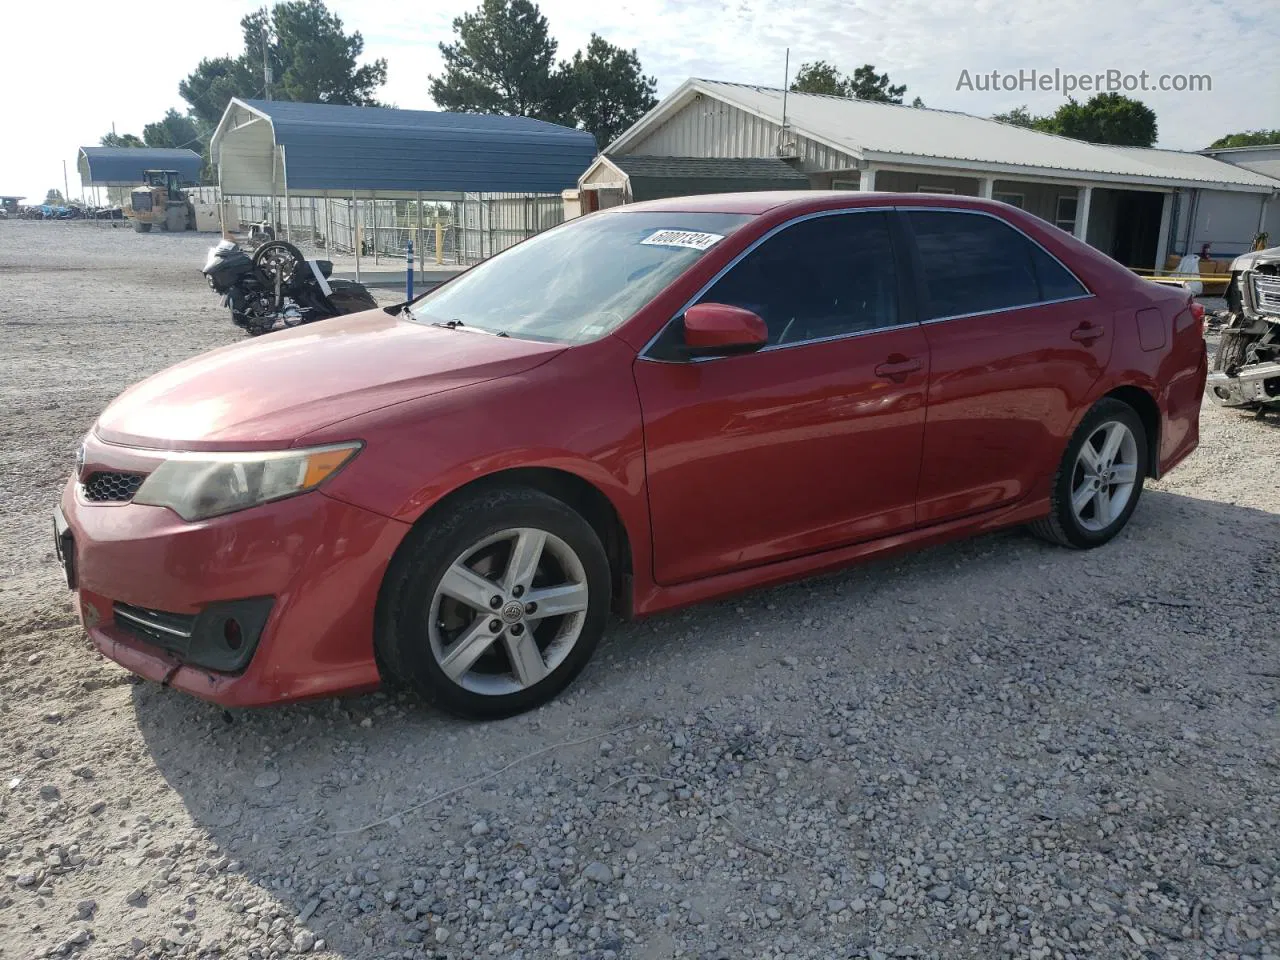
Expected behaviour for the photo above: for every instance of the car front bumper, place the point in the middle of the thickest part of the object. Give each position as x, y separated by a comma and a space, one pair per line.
1254, 383
316, 563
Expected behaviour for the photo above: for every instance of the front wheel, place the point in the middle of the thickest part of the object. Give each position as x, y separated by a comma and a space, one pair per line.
494, 606
1099, 480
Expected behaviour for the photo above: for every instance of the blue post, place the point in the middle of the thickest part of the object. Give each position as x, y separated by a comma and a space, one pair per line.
408, 276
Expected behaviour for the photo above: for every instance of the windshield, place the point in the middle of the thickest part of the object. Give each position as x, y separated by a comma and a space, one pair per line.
578, 281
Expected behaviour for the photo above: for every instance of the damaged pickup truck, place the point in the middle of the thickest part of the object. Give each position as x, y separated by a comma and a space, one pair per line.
1246, 368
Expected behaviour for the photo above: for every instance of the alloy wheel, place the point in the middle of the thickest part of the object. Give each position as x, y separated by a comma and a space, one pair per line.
508, 611
1105, 473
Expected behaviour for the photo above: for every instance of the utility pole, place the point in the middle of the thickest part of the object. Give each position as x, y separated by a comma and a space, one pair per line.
66, 186
266, 66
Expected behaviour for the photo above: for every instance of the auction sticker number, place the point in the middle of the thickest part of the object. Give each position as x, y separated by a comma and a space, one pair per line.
683, 238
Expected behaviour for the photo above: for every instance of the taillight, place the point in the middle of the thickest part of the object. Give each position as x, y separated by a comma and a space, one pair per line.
1197, 314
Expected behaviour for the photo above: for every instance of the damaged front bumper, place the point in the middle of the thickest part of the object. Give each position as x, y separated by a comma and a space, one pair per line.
1248, 386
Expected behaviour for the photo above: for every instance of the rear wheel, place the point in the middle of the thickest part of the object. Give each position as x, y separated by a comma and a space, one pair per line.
496, 605
1099, 480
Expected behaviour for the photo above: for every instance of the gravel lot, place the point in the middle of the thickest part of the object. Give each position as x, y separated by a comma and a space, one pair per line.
996, 748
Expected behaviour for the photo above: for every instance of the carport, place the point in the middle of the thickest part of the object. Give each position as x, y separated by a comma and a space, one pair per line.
123, 167
511, 169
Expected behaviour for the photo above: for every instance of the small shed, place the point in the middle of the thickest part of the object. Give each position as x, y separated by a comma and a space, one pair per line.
124, 166
629, 178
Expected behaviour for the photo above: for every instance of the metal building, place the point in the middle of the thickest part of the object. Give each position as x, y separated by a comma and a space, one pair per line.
1138, 205
124, 166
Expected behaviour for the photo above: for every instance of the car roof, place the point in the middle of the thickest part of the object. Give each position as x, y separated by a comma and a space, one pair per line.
800, 201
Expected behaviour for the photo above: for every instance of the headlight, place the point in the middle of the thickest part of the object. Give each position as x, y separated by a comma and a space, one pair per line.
201, 485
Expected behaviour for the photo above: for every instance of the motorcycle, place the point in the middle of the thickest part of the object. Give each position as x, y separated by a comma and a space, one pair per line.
278, 288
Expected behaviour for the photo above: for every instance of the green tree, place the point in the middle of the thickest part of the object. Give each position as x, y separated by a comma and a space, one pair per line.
503, 61
114, 139
1019, 117
863, 84
54, 197
175, 130
312, 59
1107, 118
866, 84
820, 77
607, 90
1249, 138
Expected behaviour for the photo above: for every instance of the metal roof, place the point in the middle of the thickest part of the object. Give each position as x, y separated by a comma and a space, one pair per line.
124, 166
891, 133
329, 148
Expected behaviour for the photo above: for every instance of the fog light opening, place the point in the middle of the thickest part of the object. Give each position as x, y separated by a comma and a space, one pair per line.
232, 633
1222, 392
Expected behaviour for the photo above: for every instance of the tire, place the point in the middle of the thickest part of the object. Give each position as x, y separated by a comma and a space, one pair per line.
265, 272
141, 227
1089, 527
1232, 350
424, 633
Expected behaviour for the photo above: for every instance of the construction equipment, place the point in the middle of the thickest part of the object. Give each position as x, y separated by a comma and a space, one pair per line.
162, 202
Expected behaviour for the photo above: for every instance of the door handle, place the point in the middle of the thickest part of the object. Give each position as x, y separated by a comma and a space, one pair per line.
897, 367
1087, 333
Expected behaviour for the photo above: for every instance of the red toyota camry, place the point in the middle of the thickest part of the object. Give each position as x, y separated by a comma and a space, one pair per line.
643, 408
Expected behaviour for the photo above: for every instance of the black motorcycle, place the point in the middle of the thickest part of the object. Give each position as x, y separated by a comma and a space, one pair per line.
278, 287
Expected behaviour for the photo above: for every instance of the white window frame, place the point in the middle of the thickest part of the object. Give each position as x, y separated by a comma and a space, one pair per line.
843, 184
1001, 196
1061, 222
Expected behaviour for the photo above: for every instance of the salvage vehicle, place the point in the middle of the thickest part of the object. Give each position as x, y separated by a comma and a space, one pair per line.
278, 287
647, 407
1246, 367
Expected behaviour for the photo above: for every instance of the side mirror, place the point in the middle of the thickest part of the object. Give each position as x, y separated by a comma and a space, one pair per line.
717, 329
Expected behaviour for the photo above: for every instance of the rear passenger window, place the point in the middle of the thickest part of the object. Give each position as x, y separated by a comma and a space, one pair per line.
973, 263
825, 277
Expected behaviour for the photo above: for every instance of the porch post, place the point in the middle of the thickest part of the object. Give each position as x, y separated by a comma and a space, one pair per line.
867, 179
356, 232
1084, 197
987, 187
1162, 241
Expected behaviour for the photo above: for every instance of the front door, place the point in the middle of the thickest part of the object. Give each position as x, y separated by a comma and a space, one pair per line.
811, 443
1016, 344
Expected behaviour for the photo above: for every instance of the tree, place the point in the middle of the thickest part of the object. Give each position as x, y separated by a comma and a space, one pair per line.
607, 91
1019, 117
1249, 138
863, 84
820, 77
54, 197
175, 130
114, 139
866, 84
312, 59
502, 62
1107, 118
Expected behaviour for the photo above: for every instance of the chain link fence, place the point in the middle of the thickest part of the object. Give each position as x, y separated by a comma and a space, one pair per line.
451, 232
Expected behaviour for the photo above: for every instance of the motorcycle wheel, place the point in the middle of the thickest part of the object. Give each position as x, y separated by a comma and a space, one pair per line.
277, 260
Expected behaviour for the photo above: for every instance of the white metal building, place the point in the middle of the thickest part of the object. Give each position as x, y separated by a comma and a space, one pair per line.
1137, 205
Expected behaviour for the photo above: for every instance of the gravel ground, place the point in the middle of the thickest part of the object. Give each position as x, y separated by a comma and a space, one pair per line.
995, 748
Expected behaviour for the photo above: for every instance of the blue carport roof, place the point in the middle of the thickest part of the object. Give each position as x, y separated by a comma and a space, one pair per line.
124, 166
340, 148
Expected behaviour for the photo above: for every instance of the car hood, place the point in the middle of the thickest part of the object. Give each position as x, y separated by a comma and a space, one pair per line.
1247, 260
269, 391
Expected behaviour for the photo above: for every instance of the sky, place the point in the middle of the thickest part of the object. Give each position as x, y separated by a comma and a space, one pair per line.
93, 68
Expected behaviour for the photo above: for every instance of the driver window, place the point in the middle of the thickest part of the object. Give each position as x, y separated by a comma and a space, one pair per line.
825, 277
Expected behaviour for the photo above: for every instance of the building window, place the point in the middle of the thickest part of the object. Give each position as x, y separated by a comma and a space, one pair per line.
1012, 199
844, 184
931, 188
1065, 215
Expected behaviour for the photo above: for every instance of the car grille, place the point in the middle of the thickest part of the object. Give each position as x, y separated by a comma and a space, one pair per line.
172, 631
1266, 293
108, 486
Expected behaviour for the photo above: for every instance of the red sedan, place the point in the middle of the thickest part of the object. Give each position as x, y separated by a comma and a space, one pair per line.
643, 408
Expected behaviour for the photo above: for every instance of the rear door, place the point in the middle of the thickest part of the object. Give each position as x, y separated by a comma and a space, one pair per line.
810, 443
1016, 342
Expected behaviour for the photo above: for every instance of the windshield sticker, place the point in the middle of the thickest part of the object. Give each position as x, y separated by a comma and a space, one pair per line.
683, 238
